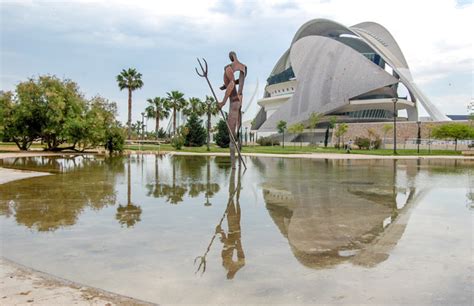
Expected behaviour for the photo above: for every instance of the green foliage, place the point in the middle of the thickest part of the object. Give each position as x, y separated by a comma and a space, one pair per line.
177, 141
196, 136
281, 126
176, 102
314, 119
158, 109
341, 129
161, 133
362, 142
222, 136
296, 128
54, 111
387, 128
268, 141
114, 139
453, 131
194, 106
129, 79
377, 143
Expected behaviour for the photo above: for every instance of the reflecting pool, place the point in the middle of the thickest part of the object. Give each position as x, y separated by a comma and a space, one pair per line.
189, 229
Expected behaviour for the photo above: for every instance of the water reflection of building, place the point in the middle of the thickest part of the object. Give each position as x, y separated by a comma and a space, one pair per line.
340, 214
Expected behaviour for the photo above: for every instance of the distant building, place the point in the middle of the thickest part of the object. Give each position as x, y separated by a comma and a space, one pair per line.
353, 73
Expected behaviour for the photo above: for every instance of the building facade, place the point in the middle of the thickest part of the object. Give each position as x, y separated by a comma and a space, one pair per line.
356, 74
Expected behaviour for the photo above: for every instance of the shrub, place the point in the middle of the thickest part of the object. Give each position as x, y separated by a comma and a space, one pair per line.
268, 141
177, 141
362, 142
114, 139
196, 135
377, 143
161, 133
222, 136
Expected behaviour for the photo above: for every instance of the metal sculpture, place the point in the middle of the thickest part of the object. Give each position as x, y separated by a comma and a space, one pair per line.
233, 92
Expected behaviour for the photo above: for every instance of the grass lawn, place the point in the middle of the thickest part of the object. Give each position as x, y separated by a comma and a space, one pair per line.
289, 150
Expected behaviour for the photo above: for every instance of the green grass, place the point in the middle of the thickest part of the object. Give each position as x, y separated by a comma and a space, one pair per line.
290, 150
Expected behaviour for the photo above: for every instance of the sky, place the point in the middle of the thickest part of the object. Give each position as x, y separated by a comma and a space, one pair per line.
90, 42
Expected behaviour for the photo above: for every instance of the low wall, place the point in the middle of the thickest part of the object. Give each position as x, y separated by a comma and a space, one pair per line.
407, 132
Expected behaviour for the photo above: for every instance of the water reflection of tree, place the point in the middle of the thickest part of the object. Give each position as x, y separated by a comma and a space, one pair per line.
129, 214
232, 254
51, 202
186, 179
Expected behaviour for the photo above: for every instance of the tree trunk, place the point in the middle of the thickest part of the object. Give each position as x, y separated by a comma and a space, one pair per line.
208, 129
174, 121
455, 144
157, 124
283, 139
129, 123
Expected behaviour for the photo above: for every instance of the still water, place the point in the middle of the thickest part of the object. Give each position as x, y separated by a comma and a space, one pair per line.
176, 229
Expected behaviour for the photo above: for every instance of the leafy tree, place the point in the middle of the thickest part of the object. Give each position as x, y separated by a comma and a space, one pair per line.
176, 102
211, 109
114, 139
297, 128
131, 80
341, 129
314, 119
281, 127
161, 133
196, 136
195, 106
157, 109
454, 131
331, 124
6, 101
222, 136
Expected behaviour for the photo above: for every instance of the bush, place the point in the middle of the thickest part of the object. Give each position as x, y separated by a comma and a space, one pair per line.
222, 136
362, 142
377, 143
177, 142
268, 141
161, 133
114, 139
196, 135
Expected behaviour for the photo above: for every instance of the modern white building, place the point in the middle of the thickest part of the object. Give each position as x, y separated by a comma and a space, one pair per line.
357, 74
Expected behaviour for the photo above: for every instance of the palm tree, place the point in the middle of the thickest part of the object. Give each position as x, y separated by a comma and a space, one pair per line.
314, 119
157, 109
211, 109
176, 102
195, 106
132, 80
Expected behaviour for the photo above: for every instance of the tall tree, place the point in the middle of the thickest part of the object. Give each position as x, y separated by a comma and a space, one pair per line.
211, 109
129, 79
281, 127
177, 102
341, 129
314, 119
331, 124
157, 109
297, 128
195, 106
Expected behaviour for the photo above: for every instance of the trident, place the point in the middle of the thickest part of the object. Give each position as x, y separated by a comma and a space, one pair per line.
231, 134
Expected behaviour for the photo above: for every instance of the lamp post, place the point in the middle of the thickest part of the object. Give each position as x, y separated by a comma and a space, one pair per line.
395, 100
143, 125
418, 139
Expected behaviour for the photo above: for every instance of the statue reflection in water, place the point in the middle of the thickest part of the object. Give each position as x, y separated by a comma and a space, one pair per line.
233, 257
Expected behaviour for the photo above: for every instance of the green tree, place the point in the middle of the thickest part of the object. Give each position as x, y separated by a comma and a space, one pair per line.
453, 131
222, 136
114, 139
6, 104
314, 119
297, 128
176, 102
211, 109
331, 124
196, 135
195, 106
281, 127
131, 80
341, 129
157, 109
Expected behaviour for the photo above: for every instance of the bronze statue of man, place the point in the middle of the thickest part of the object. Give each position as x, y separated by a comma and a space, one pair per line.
233, 91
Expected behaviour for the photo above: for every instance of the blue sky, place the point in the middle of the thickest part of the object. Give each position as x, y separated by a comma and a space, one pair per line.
91, 41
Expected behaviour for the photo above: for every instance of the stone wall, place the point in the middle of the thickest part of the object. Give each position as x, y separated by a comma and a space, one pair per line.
405, 130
